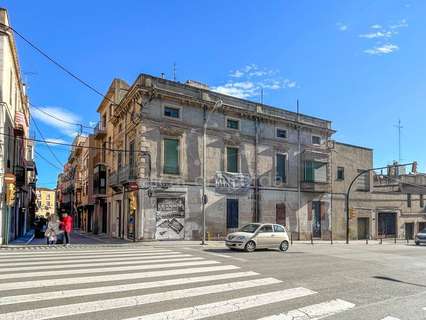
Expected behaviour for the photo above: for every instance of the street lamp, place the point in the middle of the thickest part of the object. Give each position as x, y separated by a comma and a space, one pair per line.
217, 104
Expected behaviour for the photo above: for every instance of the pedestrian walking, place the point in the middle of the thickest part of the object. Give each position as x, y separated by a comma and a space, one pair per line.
66, 226
52, 230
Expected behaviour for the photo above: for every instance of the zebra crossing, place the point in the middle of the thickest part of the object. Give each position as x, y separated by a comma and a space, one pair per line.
146, 283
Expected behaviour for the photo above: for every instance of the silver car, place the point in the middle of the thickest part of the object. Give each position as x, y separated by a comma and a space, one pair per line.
421, 237
258, 235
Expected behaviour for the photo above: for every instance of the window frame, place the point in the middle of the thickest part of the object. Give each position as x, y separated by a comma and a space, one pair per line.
316, 136
313, 180
171, 106
264, 226
343, 173
285, 154
281, 129
238, 159
232, 119
163, 158
278, 226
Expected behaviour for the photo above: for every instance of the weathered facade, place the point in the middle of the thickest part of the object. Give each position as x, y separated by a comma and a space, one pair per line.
379, 207
17, 167
157, 177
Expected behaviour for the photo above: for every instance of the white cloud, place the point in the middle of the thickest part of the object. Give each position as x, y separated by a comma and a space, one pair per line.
251, 80
383, 49
341, 26
60, 114
376, 26
400, 24
93, 123
54, 141
378, 34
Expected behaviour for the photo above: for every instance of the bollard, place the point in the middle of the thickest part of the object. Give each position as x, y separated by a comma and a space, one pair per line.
291, 238
331, 236
395, 239
312, 240
381, 240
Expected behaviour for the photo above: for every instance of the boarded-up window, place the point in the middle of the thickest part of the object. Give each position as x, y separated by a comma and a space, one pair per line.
171, 156
281, 163
231, 159
315, 171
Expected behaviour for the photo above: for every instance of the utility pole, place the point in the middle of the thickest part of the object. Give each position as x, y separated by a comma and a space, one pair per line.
399, 127
299, 161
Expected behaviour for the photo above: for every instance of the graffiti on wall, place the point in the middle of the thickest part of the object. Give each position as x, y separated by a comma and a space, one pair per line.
170, 219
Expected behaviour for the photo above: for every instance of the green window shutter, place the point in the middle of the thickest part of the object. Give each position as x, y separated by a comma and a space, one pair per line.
232, 159
309, 171
171, 156
281, 176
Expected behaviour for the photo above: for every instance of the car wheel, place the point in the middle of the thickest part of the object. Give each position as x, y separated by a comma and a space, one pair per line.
284, 246
250, 246
417, 243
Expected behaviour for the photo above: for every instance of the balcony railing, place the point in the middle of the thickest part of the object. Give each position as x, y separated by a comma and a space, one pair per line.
315, 186
124, 175
100, 130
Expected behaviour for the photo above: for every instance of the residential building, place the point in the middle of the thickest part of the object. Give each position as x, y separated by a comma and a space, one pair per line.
46, 202
380, 205
17, 167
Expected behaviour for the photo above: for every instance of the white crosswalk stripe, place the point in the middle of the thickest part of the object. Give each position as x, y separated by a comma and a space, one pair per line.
96, 275
315, 311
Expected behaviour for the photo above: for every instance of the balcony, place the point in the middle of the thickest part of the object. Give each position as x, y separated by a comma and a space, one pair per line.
315, 186
124, 176
100, 131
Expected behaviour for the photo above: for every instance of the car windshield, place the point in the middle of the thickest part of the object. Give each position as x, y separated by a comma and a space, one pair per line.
423, 231
250, 228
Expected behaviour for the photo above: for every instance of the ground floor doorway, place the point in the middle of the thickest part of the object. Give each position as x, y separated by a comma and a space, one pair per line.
409, 230
280, 213
316, 219
363, 228
170, 219
387, 224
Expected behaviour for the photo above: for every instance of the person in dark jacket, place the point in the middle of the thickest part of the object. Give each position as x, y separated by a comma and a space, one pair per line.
66, 226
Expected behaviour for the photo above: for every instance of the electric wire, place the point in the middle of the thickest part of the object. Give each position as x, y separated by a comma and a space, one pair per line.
59, 65
47, 161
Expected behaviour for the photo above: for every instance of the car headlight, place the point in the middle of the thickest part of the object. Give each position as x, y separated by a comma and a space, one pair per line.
241, 238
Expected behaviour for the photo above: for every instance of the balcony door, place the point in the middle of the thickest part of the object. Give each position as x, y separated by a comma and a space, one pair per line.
316, 219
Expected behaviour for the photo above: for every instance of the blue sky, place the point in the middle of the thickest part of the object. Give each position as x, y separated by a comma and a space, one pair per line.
358, 63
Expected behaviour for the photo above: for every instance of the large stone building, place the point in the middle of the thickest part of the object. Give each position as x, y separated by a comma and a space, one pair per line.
17, 167
261, 164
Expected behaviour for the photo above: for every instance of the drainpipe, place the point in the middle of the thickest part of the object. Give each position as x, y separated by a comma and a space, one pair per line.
256, 181
299, 168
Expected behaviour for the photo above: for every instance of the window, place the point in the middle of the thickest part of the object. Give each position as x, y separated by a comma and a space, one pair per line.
281, 172
340, 173
316, 140
409, 200
171, 156
132, 158
278, 228
104, 120
171, 112
119, 160
315, 171
266, 228
232, 213
281, 133
233, 124
422, 203
110, 111
47, 196
231, 159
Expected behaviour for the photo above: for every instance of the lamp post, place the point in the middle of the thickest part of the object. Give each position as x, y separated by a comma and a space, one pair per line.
414, 164
217, 104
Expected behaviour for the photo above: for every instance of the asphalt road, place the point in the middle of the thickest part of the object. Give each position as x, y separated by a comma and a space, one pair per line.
181, 281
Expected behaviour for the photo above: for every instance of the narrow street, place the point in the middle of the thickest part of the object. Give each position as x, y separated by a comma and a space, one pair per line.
185, 281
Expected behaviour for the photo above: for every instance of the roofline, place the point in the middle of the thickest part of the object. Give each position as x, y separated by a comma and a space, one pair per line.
354, 146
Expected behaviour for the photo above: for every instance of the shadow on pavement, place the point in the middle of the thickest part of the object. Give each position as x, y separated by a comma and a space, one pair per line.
245, 253
398, 281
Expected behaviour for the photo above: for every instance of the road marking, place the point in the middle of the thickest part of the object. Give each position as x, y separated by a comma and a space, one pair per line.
71, 252
112, 277
90, 259
315, 311
227, 306
391, 318
97, 264
52, 295
110, 304
105, 269
74, 257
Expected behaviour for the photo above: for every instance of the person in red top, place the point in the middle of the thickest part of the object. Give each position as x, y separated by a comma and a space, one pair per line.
66, 225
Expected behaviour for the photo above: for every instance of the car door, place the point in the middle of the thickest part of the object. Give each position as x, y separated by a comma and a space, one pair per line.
279, 234
264, 236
